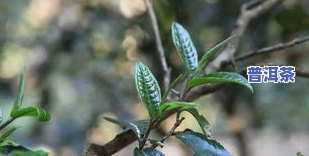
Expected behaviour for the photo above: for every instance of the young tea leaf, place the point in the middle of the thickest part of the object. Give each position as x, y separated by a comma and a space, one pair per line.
148, 89
201, 120
200, 145
221, 77
138, 127
172, 105
147, 152
185, 46
211, 53
20, 92
39, 113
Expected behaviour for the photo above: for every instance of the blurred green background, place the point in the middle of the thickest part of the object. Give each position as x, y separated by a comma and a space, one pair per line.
79, 57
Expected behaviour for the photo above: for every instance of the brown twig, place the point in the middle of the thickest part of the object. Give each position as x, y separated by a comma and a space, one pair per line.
144, 140
273, 48
301, 73
7, 123
199, 91
159, 46
177, 124
247, 14
120, 141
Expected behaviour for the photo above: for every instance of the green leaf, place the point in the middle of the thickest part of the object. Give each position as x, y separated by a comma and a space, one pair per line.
185, 46
39, 113
201, 120
221, 77
7, 133
201, 145
211, 53
139, 152
20, 92
147, 152
173, 105
148, 89
138, 127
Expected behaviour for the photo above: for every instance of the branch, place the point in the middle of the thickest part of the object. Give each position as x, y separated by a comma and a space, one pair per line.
199, 91
150, 127
7, 123
159, 46
249, 11
177, 124
120, 141
273, 48
301, 73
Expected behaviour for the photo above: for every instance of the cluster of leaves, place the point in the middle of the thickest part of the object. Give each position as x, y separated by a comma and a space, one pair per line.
157, 106
7, 145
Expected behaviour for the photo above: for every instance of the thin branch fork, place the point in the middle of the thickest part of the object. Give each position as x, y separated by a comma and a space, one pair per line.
249, 11
177, 124
144, 140
273, 48
159, 46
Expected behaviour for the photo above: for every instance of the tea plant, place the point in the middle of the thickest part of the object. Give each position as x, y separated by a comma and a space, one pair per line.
7, 145
159, 106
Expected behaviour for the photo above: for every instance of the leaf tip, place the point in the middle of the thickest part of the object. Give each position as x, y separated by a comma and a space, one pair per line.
184, 46
250, 87
175, 24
